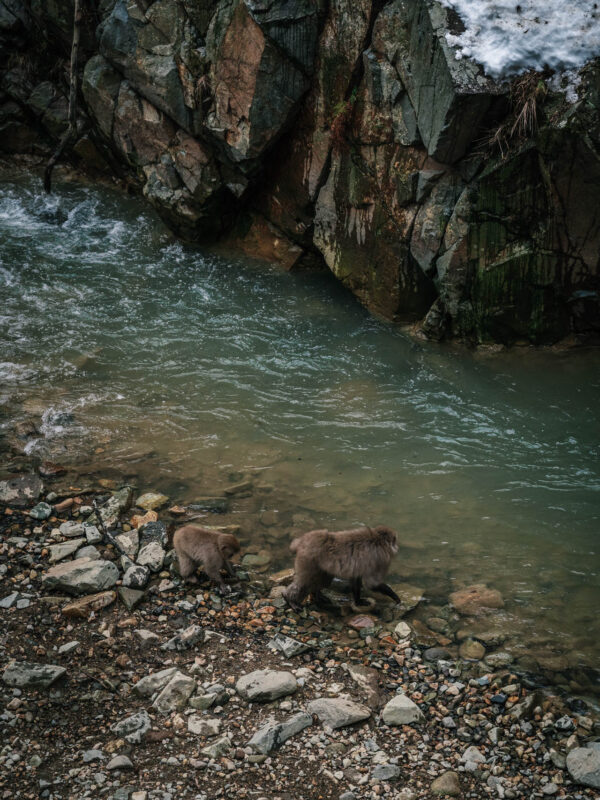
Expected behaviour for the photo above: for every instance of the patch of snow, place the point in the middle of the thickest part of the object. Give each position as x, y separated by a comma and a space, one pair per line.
508, 37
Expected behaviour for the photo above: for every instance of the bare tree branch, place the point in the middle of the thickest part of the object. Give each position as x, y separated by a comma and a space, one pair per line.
70, 135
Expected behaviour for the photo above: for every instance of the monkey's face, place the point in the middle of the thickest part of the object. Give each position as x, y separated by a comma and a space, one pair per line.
229, 546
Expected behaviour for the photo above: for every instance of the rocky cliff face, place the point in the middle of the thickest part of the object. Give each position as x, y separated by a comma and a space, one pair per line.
311, 131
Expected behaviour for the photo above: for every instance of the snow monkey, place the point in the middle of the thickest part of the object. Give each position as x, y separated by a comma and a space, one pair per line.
195, 545
361, 554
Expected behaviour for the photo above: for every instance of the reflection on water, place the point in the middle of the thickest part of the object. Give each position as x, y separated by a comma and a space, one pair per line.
139, 356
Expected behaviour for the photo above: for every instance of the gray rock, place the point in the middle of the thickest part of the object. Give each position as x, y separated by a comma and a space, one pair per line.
133, 728
136, 577
401, 710
446, 784
110, 512
385, 772
146, 638
129, 543
203, 726
68, 648
185, 639
151, 555
119, 762
89, 551
337, 712
266, 684
203, 701
130, 597
72, 529
93, 755
583, 764
82, 576
20, 492
218, 748
154, 682
9, 600
60, 551
41, 511
274, 734
286, 645
175, 694
92, 534
35, 676
153, 532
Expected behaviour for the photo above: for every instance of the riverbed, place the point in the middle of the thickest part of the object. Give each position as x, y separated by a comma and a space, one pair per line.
144, 359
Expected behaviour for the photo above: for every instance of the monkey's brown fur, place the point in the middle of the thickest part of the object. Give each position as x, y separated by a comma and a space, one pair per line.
195, 545
357, 555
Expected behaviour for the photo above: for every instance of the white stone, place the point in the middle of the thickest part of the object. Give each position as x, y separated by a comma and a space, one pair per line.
337, 712
401, 711
266, 684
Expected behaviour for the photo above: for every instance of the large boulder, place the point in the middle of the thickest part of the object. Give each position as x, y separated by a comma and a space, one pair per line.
82, 576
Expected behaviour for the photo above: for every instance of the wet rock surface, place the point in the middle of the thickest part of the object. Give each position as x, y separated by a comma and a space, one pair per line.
357, 138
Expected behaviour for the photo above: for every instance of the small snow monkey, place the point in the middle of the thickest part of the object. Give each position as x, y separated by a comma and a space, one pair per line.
195, 545
358, 555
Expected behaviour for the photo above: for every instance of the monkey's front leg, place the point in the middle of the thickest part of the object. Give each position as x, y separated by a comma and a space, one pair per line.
383, 588
356, 587
229, 569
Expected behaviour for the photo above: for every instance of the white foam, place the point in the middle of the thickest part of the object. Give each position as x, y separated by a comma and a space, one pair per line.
508, 37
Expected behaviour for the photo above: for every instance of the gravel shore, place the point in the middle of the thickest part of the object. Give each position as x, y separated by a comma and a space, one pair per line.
119, 681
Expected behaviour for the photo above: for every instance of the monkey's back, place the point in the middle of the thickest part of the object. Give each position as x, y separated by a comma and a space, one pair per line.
363, 552
192, 537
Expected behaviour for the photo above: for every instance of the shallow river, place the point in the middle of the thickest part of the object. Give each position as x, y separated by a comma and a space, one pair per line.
142, 357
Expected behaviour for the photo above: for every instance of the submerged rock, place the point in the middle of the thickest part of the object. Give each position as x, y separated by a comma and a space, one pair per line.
151, 501
476, 599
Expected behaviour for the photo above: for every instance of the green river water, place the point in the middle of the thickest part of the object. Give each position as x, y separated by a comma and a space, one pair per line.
143, 358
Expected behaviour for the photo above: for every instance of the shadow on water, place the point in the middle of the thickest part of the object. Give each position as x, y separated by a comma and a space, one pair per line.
143, 358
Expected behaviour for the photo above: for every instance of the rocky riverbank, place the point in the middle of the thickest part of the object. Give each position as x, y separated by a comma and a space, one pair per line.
120, 682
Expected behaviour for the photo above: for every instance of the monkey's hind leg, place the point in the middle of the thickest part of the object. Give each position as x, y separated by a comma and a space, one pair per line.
383, 588
187, 567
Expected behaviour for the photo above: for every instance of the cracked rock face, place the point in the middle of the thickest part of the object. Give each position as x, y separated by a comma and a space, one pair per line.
300, 132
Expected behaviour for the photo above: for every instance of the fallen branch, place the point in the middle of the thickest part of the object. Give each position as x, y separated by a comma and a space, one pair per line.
70, 135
